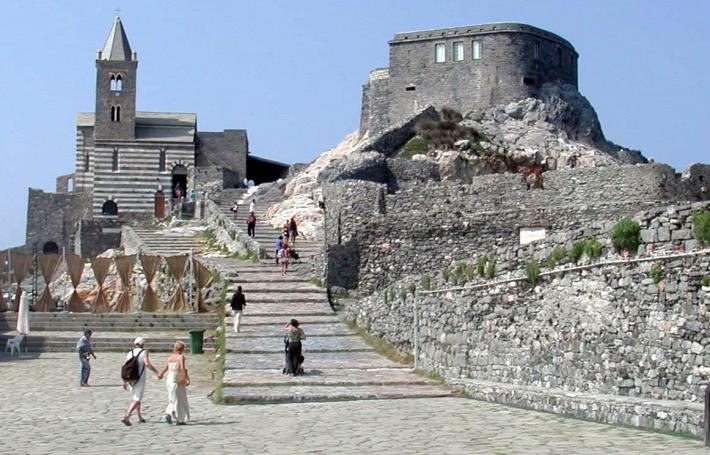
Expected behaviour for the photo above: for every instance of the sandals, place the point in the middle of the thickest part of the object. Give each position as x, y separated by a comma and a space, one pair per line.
126, 422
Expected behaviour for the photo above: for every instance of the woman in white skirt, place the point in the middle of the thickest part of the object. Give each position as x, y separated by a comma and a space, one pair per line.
176, 384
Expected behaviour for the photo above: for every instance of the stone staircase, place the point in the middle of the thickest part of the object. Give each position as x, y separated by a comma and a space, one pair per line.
169, 241
59, 332
339, 365
264, 233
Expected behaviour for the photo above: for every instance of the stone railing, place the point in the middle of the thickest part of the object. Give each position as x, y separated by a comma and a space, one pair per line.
227, 232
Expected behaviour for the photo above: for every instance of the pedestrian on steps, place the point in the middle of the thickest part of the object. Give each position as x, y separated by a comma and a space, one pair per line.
252, 206
284, 255
277, 247
286, 226
293, 230
83, 347
235, 209
251, 224
238, 304
294, 349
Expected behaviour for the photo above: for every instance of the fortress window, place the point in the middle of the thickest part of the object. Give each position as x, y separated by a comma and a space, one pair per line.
458, 51
476, 50
86, 161
112, 83
114, 160
410, 88
119, 83
536, 50
161, 161
440, 53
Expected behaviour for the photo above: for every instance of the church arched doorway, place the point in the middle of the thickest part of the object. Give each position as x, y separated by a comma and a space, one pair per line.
179, 182
110, 208
50, 248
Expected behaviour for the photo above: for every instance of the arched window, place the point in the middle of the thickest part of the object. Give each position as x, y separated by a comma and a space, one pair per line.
119, 83
114, 160
109, 208
50, 247
86, 161
115, 113
112, 82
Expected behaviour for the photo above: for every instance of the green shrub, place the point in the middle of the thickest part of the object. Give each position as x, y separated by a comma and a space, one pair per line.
442, 134
446, 274
464, 272
481, 265
386, 297
656, 273
532, 270
491, 269
391, 295
556, 255
706, 281
412, 289
575, 254
593, 248
626, 235
701, 227
426, 282
403, 295
415, 146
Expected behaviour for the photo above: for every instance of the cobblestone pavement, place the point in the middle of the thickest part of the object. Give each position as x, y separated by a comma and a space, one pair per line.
43, 410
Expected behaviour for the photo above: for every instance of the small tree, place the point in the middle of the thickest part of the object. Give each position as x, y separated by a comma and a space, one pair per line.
701, 227
656, 273
626, 235
491, 269
481, 265
577, 251
593, 248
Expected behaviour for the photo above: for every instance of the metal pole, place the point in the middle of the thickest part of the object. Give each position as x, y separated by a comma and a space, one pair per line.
189, 289
34, 275
706, 423
416, 333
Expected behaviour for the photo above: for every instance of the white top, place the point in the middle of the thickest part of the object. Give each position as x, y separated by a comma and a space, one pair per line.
141, 360
252, 206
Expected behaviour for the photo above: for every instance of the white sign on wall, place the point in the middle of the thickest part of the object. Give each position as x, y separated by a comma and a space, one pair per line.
529, 235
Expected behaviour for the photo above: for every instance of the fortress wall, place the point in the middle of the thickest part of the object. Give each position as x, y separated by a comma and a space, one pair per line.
605, 330
515, 60
53, 216
424, 226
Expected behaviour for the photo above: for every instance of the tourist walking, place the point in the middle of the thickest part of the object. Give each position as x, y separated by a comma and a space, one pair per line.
293, 230
137, 386
251, 224
284, 256
176, 384
277, 247
252, 206
235, 209
294, 358
285, 228
83, 347
238, 304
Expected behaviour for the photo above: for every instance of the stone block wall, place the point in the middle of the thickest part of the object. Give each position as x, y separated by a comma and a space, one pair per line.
606, 328
93, 237
421, 226
52, 217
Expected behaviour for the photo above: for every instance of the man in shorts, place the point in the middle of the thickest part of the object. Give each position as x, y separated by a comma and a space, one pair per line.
138, 387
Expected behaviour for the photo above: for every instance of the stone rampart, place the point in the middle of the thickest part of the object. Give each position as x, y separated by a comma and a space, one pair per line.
385, 237
52, 217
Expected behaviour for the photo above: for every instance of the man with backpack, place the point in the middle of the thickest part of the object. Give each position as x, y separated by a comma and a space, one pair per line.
133, 375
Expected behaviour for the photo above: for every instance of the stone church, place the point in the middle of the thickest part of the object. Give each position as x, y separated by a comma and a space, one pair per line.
134, 165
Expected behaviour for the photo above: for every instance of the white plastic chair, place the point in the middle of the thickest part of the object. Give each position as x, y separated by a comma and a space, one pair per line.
13, 344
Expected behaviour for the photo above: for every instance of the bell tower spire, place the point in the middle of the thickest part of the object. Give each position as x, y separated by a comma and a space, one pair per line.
116, 69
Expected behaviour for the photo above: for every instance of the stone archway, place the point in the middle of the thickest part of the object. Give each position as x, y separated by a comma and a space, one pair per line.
50, 247
110, 208
179, 181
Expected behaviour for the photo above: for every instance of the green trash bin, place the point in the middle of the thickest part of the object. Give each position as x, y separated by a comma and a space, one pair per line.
196, 341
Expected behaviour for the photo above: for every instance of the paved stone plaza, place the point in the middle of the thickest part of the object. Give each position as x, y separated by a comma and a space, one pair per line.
43, 410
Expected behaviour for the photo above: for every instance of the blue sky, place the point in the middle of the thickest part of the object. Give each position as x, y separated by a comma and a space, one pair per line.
291, 72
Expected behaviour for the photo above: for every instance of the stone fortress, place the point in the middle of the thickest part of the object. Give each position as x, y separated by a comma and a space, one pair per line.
131, 164
468, 68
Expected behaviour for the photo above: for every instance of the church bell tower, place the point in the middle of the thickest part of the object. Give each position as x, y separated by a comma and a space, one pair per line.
116, 69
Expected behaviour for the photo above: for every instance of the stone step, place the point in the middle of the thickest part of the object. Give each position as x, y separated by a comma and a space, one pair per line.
92, 318
78, 327
287, 300
313, 344
41, 343
294, 287
271, 319
267, 330
335, 377
299, 393
314, 360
